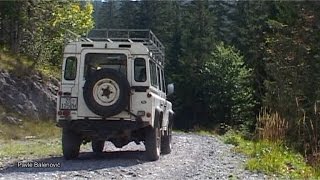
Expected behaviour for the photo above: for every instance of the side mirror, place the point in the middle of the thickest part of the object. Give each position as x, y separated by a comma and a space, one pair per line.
170, 89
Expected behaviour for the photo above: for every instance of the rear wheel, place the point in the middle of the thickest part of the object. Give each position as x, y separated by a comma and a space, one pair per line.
153, 142
97, 146
166, 144
70, 144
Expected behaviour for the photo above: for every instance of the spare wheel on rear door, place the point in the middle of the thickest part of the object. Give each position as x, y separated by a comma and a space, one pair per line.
106, 92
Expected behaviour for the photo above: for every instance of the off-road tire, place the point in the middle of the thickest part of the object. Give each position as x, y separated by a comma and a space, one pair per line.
153, 142
118, 79
166, 144
97, 146
71, 142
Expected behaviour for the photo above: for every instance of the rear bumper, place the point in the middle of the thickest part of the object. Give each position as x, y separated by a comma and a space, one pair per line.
88, 125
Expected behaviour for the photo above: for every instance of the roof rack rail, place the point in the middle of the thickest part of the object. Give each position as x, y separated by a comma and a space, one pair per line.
144, 36
71, 36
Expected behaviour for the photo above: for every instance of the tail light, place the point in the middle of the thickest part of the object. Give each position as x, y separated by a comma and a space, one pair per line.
65, 113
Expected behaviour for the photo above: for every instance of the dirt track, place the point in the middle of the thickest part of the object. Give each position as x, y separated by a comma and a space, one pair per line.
193, 157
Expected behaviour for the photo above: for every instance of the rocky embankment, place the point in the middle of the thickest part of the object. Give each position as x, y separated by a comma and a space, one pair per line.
27, 97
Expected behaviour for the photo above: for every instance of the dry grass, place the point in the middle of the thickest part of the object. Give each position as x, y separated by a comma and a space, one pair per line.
309, 134
270, 126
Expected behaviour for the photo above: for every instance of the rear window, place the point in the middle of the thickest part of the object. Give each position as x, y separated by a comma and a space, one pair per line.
140, 74
70, 71
163, 81
159, 78
97, 61
153, 74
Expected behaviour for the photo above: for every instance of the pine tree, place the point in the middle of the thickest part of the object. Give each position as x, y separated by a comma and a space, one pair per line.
107, 15
197, 40
129, 15
225, 24
292, 66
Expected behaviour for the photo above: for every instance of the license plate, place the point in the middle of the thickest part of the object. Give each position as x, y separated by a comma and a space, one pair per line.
69, 103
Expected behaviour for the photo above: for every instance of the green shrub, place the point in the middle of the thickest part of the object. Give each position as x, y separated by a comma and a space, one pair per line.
227, 86
231, 137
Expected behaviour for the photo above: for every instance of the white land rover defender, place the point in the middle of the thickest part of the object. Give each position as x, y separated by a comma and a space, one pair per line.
113, 89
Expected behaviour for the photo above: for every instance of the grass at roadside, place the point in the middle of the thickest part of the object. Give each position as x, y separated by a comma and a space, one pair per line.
29, 139
271, 158
29, 129
29, 148
205, 132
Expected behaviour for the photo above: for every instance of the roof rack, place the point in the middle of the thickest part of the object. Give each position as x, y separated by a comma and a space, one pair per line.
144, 36
71, 36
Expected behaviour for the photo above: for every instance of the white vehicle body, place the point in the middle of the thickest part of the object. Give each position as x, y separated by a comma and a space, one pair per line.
113, 89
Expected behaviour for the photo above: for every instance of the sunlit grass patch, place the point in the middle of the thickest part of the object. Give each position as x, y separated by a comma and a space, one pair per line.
205, 132
271, 158
49, 70
17, 64
29, 129
276, 158
22, 65
6, 61
30, 148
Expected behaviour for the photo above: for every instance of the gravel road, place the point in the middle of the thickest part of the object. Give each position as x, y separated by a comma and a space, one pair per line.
193, 157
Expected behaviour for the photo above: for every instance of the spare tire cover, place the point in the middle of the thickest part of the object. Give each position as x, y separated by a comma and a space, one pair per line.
106, 92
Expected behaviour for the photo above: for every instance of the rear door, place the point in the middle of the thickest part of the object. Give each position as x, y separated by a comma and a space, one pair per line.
140, 85
94, 59
67, 100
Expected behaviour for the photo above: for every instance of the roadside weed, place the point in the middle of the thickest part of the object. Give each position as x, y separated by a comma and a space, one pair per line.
271, 158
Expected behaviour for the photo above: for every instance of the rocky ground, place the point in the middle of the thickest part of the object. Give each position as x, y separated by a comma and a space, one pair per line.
193, 157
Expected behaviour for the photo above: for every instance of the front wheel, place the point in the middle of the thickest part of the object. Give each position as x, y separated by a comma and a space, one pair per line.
70, 144
153, 142
166, 144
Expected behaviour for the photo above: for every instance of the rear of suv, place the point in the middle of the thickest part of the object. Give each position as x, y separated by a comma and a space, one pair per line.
113, 89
